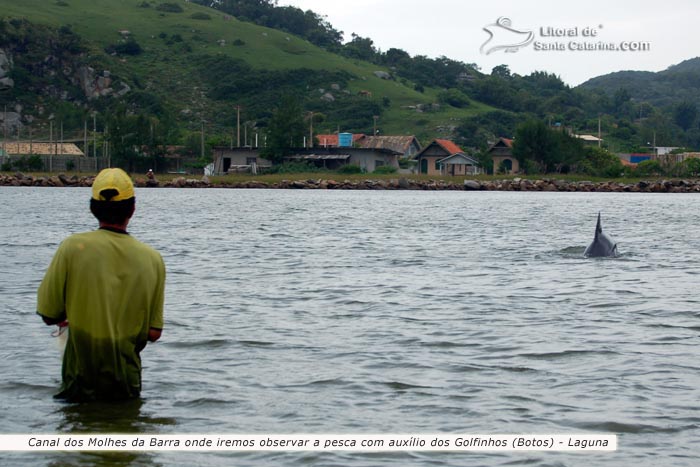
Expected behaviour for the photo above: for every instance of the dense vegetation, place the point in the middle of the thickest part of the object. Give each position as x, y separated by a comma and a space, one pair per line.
189, 66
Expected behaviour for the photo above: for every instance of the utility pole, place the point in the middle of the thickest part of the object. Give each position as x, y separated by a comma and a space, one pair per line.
201, 154
238, 126
50, 145
94, 138
311, 129
599, 134
4, 132
62, 150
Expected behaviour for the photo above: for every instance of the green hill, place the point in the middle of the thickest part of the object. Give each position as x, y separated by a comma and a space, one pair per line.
665, 89
197, 64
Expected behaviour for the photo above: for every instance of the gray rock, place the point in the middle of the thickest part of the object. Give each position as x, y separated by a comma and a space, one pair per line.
328, 97
382, 74
472, 185
6, 83
12, 121
5, 64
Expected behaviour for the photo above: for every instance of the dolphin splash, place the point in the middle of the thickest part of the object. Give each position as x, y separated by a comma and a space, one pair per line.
602, 245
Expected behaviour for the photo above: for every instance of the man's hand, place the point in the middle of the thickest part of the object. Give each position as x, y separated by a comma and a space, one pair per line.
154, 334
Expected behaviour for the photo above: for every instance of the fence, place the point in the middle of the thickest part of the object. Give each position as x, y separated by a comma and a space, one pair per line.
70, 163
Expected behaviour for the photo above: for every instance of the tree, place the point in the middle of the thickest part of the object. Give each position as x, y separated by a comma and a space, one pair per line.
501, 71
685, 114
285, 130
534, 142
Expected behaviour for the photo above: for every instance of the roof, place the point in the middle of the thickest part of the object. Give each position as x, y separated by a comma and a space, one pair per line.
502, 142
42, 149
332, 140
446, 145
589, 138
449, 146
396, 143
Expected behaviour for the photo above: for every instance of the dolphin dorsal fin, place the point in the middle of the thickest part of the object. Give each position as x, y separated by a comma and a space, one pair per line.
598, 227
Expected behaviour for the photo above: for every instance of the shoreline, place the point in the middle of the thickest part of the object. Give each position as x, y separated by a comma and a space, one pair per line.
515, 184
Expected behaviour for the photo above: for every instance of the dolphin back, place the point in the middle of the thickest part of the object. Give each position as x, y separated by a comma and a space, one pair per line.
602, 245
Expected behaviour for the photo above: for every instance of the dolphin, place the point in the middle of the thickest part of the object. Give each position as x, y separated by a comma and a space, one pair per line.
602, 245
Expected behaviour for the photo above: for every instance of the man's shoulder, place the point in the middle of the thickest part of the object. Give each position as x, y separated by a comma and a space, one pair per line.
145, 248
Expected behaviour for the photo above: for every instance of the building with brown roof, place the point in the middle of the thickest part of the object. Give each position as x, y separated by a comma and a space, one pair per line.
443, 157
408, 145
501, 153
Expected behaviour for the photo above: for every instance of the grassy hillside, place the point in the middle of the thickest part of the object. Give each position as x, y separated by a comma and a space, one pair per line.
175, 45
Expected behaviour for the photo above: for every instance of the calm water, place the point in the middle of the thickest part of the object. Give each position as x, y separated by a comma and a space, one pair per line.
381, 312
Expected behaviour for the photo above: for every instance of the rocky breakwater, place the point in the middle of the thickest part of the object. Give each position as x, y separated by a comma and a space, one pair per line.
516, 184
649, 186
60, 180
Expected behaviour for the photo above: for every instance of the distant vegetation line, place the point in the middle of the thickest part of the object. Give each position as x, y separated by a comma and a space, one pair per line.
151, 73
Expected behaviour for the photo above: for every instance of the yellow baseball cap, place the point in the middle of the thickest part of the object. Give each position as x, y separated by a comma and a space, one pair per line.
112, 179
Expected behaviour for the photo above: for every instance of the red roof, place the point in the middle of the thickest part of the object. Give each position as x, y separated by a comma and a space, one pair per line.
449, 146
509, 142
332, 140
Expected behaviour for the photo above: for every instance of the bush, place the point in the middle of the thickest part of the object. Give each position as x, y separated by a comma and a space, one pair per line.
385, 169
454, 98
170, 7
6, 166
350, 169
32, 163
649, 168
295, 168
130, 47
200, 15
238, 42
691, 167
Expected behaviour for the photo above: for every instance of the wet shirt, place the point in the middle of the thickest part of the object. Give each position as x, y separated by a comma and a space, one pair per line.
110, 288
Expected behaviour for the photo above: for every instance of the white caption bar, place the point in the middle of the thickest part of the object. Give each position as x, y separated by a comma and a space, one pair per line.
309, 442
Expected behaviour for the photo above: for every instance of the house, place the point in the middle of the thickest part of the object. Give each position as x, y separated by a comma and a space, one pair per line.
501, 153
243, 159
228, 160
443, 157
407, 146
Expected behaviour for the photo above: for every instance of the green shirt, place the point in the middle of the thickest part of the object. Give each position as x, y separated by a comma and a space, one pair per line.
110, 287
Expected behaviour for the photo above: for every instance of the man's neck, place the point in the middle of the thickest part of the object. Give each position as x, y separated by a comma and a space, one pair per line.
120, 228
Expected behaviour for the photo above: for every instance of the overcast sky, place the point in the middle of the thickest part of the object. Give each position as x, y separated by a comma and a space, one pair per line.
455, 29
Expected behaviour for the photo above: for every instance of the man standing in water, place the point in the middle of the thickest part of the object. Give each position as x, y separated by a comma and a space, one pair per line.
110, 288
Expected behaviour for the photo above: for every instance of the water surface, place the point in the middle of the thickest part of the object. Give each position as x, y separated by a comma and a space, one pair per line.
381, 312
